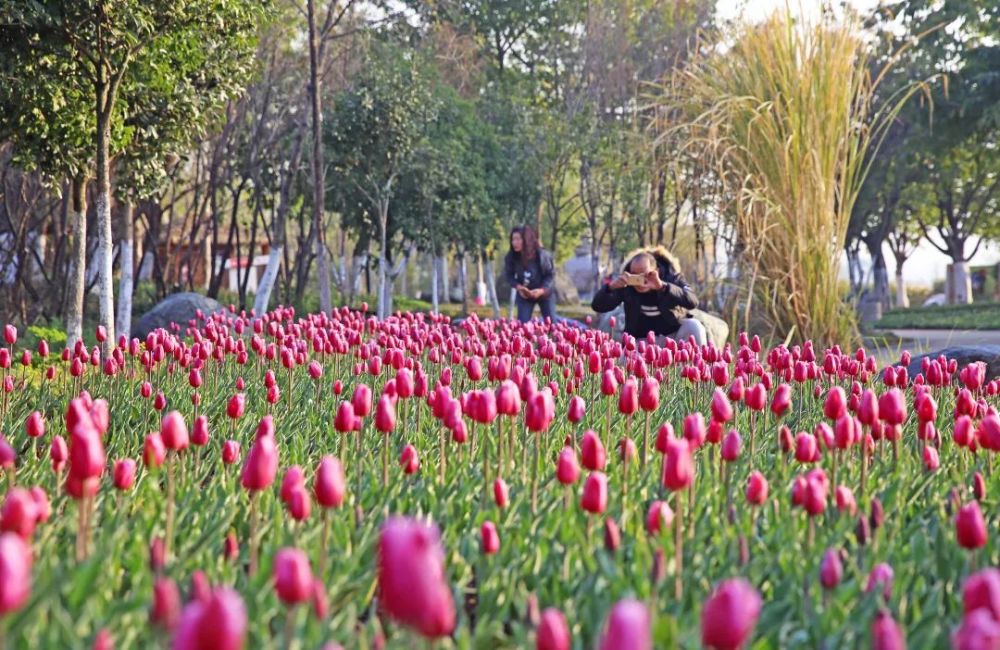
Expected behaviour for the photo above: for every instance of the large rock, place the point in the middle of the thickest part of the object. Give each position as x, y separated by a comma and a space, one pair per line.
176, 308
964, 355
717, 329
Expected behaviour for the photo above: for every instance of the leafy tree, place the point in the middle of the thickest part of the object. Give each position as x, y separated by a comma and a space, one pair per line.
164, 52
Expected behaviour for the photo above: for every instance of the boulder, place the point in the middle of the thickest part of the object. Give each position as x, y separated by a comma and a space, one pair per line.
176, 308
717, 329
964, 355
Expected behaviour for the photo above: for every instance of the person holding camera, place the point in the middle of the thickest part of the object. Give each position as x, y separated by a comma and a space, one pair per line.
655, 295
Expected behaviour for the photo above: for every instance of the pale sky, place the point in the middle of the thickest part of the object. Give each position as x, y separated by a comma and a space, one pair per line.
927, 263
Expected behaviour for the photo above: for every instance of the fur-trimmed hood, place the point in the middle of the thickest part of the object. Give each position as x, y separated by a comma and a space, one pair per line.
661, 253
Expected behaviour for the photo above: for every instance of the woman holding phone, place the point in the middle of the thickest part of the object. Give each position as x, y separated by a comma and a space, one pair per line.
531, 272
656, 297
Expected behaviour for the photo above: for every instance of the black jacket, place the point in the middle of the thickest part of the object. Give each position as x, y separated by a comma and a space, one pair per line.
536, 274
654, 311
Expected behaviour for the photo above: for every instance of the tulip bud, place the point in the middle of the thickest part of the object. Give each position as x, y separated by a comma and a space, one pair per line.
293, 579
15, 572
19, 513
220, 622
757, 488
501, 493
124, 474
970, 528
567, 469
729, 616
592, 452
489, 538
595, 493
553, 633
831, 570
886, 634
678, 470
166, 609
659, 517
409, 460
329, 486
732, 445
628, 627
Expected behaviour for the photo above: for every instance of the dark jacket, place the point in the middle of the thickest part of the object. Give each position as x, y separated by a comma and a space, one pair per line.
654, 311
537, 273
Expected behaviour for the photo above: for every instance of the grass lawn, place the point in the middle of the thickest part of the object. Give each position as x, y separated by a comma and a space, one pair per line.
977, 316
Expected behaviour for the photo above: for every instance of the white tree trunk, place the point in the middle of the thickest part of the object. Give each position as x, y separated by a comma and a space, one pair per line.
961, 283
77, 264
105, 258
266, 285
491, 288
902, 300
383, 260
435, 300
123, 319
445, 279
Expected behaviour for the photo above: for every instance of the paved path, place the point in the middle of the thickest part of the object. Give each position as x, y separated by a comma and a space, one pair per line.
925, 340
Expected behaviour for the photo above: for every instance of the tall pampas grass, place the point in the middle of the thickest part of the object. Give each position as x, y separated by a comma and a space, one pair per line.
787, 120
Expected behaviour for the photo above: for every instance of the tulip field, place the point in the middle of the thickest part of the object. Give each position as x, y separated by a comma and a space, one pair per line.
333, 480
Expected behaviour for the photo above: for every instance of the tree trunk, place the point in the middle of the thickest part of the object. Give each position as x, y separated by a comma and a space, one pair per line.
123, 320
902, 300
491, 288
463, 275
106, 290
445, 278
435, 271
77, 261
961, 283
880, 275
318, 172
383, 259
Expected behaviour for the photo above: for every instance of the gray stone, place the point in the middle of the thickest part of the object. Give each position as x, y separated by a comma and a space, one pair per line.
964, 355
176, 308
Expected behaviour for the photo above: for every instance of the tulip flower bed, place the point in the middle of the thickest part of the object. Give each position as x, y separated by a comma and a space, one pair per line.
292, 481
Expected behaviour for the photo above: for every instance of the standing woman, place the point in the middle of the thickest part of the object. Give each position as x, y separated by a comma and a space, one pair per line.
530, 271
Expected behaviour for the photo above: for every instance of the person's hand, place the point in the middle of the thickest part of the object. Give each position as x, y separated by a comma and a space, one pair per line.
618, 283
538, 294
523, 291
653, 280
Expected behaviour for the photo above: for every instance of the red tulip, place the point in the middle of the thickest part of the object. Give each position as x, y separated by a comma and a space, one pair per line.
19, 514
722, 410
756, 488
567, 469
409, 460
595, 493
124, 474
880, 576
756, 397
345, 420
628, 398
831, 570
293, 579
835, 404
577, 409
678, 470
553, 633
732, 445
931, 459
868, 408
628, 627
979, 631
230, 452
489, 538
329, 486
988, 432
10, 334
694, 431
361, 400
315, 370
539, 411
508, 399
658, 517
15, 572
609, 385
154, 451
34, 426
293, 479
166, 610
970, 528
411, 577
385, 414
236, 406
782, 400
261, 464
978, 486
982, 590
649, 394
592, 452
218, 624
199, 433
174, 431
501, 493
730, 615
886, 634
892, 407
58, 453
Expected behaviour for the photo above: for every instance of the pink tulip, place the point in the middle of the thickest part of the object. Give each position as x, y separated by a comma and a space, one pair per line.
979, 631
577, 409
831, 570
595, 493
34, 426
567, 468
508, 399
261, 464
970, 528
892, 407
236, 406
199, 433
649, 395
628, 627
154, 451
553, 633
58, 453
678, 471
501, 493
293, 579
293, 479
19, 514
592, 452
489, 538
15, 572
217, 624
124, 474
166, 609
881, 575
732, 445
835, 404
346, 420
730, 615
782, 400
628, 398
409, 460
411, 578
756, 488
982, 590
931, 459
658, 517
385, 414
722, 410
230, 452
329, 486
361, 400
886, 633
174, 431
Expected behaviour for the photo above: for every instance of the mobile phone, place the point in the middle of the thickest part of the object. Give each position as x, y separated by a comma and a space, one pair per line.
634, 279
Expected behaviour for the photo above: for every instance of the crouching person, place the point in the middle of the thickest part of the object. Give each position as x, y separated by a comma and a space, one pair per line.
655, 295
